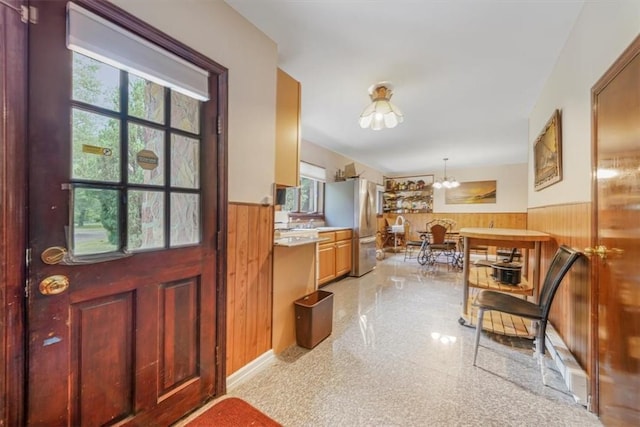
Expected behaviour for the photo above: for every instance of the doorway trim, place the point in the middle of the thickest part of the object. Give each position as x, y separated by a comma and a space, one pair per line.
13, 214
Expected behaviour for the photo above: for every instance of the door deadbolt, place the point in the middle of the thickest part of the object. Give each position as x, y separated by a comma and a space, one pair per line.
53, 255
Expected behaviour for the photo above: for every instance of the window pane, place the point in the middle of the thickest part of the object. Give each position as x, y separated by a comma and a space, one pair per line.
185, 219
146, 99
185, 113
307, 195
185, 162
96, 147
95, 83
145, 226
146, 155
291, 200
95, 221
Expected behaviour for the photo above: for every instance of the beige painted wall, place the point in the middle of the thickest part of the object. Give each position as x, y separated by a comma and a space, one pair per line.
510, 180
601, 33
332, 161
217, 31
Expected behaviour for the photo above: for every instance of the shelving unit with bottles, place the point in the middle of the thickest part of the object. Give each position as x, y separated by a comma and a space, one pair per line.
408, 194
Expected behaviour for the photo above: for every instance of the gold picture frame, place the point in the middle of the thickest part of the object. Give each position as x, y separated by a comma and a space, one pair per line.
547, 154
471, 193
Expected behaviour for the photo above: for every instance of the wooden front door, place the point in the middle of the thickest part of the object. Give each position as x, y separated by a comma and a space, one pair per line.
616, 99
125, 211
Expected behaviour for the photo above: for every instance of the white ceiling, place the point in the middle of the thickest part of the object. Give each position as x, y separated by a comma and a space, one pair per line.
467, 73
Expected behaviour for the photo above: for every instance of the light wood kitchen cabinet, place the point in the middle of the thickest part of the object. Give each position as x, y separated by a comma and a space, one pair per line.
334, 255
287, 168
326, 262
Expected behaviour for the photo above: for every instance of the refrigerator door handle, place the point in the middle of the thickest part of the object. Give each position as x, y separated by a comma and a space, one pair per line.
367, 208
365, 240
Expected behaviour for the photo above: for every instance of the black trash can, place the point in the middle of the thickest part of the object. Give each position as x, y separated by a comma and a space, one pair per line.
314, 318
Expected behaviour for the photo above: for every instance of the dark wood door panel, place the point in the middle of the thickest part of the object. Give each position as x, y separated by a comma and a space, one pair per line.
103, 330
179, 350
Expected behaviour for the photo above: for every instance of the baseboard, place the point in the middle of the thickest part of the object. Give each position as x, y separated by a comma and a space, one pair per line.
574, 376
250, 369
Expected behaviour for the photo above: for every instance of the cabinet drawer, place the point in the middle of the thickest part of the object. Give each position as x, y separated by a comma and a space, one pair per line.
331, 235
343, 234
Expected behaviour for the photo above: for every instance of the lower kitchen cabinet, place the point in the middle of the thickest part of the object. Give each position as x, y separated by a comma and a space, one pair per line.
334, 255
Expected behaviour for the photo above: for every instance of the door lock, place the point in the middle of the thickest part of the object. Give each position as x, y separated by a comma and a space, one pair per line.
602, 251
53, 255
54, 285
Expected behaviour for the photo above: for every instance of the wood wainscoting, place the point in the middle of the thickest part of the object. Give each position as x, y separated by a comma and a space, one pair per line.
476, 219
418, 221
249, 283
569, 225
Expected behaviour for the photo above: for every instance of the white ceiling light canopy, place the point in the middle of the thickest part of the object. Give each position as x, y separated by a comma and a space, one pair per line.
446, 181
381, 113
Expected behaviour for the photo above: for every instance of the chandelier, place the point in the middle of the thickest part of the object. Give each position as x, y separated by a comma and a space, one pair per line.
381, 113
446, 181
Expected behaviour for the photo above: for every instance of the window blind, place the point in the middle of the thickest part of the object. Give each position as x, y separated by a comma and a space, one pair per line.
308, 170
97, 38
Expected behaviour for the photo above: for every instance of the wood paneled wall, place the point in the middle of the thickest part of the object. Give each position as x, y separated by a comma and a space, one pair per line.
569, 225
481, 219
249, 283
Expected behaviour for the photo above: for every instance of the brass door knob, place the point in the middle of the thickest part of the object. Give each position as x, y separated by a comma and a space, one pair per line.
54, 285
602, 251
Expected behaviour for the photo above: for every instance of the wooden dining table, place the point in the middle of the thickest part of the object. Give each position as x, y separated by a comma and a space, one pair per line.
479, 276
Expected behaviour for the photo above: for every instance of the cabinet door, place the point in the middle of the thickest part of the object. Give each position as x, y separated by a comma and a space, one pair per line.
326, 263
287, 130
343, 257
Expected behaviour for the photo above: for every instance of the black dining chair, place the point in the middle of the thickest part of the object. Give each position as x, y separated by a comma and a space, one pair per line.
488, 300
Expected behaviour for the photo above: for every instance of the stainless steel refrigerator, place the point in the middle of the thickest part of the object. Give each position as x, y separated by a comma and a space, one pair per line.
352, 204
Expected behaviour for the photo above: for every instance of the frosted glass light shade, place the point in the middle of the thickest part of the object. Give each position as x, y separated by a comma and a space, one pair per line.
446, 181
381, 113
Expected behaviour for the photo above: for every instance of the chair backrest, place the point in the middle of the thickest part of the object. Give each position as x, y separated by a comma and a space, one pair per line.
560, 265
438, 233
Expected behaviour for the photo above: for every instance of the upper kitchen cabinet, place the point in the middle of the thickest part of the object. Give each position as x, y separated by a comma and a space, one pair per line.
287, 131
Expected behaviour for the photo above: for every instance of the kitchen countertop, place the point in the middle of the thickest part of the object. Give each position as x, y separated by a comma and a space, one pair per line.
297, 241
321, 229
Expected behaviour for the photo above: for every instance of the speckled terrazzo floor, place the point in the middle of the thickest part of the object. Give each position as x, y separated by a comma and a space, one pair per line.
397, 356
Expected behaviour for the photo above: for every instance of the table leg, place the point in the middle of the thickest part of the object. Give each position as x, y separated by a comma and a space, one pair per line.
465, 276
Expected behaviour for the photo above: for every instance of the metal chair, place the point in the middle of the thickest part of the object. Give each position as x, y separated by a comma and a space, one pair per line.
488, 300
410, 243
439, 245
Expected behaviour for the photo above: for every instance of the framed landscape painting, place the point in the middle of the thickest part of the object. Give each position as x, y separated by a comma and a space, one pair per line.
547, 154
471, 192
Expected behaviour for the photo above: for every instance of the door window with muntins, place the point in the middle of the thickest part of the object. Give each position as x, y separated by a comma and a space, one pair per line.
135, 178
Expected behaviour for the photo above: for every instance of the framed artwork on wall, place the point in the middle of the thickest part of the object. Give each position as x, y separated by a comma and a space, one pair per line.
471, 192
547, 154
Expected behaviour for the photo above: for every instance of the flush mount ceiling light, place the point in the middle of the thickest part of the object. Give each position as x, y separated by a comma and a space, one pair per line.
381, 113
446, 181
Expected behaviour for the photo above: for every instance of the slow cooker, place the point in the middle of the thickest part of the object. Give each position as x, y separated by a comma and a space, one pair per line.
508, 273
